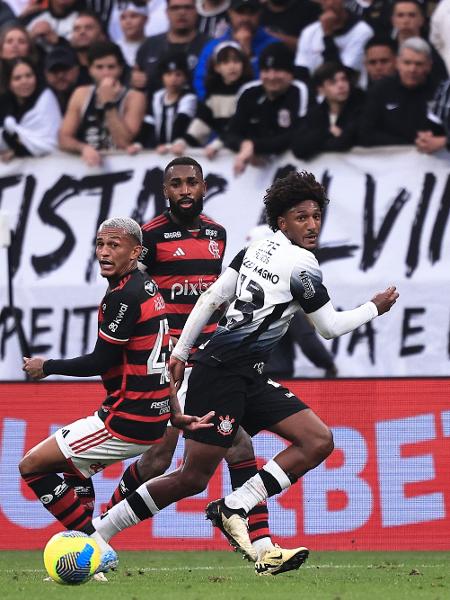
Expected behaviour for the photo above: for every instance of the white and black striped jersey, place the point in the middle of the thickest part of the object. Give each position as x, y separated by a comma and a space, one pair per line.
275, 279
168, 121
439, 108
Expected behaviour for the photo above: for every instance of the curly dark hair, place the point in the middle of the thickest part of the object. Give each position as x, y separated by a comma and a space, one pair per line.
287, 192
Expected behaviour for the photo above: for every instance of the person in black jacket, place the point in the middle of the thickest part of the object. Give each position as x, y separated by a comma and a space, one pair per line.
396, 107
331, 126
267, 111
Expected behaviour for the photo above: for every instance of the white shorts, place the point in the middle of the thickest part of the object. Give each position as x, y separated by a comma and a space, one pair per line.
181, 394
90, 447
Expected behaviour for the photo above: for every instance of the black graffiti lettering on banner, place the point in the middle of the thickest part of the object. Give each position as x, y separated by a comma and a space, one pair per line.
409, 330
440, 224
18, 232
367, 334
48, 333
11, 325
412, 256
64, 189
364, 334
152, 185
373, 243
38, 329
86, 312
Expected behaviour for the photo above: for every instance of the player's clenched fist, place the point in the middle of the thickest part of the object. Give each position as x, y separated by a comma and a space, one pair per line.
385, 300
33, 367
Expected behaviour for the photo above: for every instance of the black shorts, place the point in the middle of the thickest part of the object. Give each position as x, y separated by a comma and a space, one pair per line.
238, 397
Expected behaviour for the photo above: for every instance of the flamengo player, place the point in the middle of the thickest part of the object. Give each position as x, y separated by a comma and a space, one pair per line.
131, 355
183, 252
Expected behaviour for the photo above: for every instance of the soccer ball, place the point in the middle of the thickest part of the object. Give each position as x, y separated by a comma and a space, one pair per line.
71, 557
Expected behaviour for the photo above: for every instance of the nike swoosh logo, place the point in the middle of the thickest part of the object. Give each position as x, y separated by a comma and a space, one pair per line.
277, 557
391, 106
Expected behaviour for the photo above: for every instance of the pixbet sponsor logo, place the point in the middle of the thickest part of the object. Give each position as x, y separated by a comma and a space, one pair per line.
188, 288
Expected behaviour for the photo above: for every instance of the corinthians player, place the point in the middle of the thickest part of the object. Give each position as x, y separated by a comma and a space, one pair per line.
267, 284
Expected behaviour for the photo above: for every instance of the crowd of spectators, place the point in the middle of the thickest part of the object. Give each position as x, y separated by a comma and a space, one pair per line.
255, 76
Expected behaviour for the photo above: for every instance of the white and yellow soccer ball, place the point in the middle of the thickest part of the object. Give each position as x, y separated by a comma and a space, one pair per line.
71, 557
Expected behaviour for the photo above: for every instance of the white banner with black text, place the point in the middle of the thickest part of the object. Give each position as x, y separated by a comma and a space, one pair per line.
387, 223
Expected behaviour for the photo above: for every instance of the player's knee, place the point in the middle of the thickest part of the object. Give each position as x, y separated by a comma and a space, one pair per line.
154, 465
241, 450
323, 445
29, 464
196, 482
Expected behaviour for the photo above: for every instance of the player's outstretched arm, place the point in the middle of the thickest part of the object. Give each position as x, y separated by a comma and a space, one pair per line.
331, 323
96, 363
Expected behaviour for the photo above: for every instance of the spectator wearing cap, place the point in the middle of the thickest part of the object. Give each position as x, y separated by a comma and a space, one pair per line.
332, 125
245, 29
286, 19
408, 21
132, 19
61, 73
396, 107
213, 17
336, 36
228, 70
182, 37
170, 109
103, 116
156, 23
268, 111
87, 30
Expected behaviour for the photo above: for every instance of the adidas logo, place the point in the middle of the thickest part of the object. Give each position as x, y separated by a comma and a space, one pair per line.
179, 252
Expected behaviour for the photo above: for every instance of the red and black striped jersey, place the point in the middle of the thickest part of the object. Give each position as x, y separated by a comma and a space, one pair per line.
132, 314
184, 264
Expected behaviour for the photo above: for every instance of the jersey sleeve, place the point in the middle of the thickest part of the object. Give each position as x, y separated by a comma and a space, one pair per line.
148, 254
236, 263
121, 312
306, 284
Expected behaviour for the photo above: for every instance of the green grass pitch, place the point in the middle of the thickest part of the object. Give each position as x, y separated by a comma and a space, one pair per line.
225, 576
